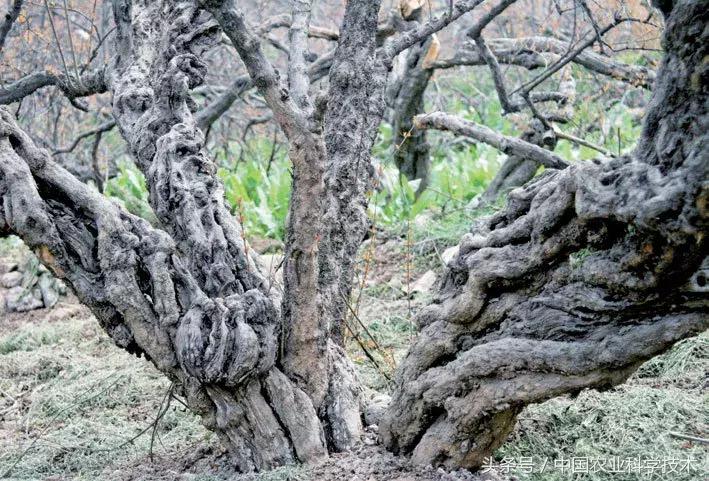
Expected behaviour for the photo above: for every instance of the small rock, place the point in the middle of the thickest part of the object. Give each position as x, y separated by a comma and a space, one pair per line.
449, 254
424, 284
62, 312
375, 406
11, 279
395, 283
21, 300
47, 287
423, 220
6, 267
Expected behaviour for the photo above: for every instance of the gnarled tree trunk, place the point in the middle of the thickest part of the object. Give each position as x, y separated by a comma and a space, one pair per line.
586, 273
589, 271
188, 296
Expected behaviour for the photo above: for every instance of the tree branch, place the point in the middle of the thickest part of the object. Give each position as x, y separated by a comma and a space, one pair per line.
539, 52
405, 40
298, 79
497, 77
91, 83
10, 18
286, 112
527, 87
476, 30
105, 127
507, 145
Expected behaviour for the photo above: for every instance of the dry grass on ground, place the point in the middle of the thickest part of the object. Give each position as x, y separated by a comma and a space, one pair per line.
75, 407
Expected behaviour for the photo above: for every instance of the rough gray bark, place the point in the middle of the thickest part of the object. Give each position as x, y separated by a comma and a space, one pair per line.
188, 296
310, 359
355, 106
585, 274
215, 245
354, 110
520, 318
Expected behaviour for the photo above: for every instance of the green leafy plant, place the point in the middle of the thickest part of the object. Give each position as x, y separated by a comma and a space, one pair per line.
259, 195
129, 188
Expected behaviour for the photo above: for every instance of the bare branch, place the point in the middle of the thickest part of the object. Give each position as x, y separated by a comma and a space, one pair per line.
71, 42
497, 77
217, 107
56, 39
298, 79
507, 145
577, 140
105, 127
10, 18
568, 58
398, 44
91, 83
596, 28
475, 31
539, 52
265, 77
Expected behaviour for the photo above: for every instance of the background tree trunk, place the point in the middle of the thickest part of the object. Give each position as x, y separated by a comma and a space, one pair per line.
412, 152
586, 273
518, 170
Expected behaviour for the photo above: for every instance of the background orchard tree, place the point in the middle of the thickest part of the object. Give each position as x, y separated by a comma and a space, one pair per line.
518, 318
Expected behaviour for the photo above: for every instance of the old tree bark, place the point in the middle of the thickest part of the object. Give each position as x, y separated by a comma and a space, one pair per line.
585, 274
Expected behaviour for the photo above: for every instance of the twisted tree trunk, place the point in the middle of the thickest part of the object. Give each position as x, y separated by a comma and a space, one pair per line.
588, 272
258, 366
188, 296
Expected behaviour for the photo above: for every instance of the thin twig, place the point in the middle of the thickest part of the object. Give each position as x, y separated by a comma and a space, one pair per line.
369, 334
367, 353
585, 143
105, 127
56, 39
168, 396
689, 438
71, 43
526, 88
